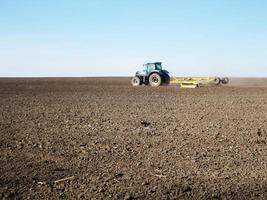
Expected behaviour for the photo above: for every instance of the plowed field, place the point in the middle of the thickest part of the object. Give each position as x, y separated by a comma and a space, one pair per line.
100, 138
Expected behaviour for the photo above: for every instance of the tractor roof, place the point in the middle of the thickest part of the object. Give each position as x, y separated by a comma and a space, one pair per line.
157, 63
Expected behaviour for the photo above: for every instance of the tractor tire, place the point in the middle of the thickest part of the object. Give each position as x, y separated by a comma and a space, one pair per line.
155, 80
136, 81
217, 81
225, 80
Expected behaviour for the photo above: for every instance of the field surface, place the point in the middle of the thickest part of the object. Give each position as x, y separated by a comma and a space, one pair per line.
100, 138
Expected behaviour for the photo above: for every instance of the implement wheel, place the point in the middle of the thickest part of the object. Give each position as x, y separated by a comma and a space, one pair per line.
155, 80
225, 80
217, 81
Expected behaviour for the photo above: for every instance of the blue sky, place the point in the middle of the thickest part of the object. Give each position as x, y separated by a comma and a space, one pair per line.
115, 37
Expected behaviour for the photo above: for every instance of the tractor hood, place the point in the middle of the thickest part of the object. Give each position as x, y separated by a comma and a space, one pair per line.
141, 73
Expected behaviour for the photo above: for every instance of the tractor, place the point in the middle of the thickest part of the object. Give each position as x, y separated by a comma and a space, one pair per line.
152, 74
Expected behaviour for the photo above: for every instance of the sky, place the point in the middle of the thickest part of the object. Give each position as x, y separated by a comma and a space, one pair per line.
63, 38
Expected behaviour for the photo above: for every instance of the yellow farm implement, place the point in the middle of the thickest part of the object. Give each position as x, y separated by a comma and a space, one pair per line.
195, 82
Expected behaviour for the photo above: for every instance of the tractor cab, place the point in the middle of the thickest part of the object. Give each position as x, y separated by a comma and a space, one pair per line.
149, 67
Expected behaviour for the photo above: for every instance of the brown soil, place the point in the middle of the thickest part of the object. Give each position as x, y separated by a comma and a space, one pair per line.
112, 141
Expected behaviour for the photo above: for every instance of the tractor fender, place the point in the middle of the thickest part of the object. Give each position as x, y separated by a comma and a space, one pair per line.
154, 72
160, 72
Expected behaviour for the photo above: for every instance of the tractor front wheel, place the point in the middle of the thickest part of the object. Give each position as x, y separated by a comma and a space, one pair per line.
136, 81
155, 80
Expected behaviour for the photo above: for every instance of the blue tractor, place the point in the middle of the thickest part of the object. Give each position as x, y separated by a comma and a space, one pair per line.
152, 74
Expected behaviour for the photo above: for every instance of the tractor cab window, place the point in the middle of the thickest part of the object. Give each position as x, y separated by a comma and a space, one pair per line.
150, 68
158, 67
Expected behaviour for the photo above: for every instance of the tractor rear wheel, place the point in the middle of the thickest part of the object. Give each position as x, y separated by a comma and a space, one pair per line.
155, 80
136, 81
